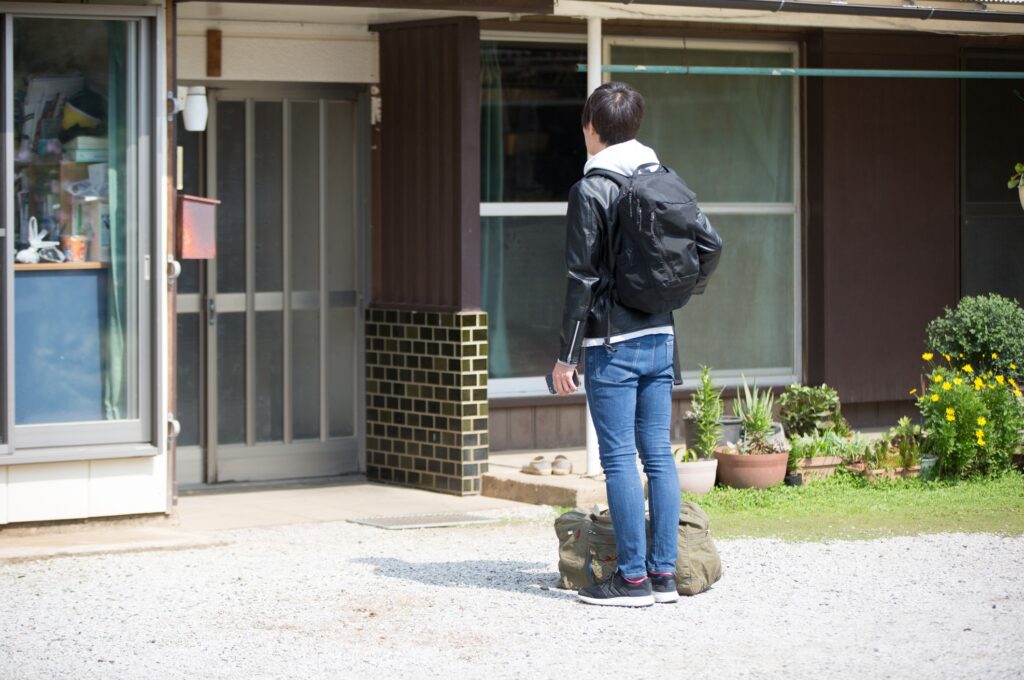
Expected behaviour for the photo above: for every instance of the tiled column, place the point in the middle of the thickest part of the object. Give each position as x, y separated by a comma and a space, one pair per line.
426, 399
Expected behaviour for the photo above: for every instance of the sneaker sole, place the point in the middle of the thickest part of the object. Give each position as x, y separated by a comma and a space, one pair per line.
645, 601
666, 598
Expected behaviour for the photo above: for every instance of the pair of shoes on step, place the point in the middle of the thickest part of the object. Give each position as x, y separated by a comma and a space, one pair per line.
618, 592
542, 466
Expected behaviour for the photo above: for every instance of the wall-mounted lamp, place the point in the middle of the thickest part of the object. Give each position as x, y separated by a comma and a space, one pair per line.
191, 102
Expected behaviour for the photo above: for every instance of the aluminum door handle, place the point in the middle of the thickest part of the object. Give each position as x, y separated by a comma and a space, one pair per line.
211, 311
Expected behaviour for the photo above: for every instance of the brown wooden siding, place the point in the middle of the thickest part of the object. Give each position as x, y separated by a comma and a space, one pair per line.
882, 235
542, 423
429, 226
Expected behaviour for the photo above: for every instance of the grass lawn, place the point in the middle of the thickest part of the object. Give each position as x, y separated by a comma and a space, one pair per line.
846, 506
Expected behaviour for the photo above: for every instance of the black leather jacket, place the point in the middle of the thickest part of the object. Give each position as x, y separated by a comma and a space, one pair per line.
588, 300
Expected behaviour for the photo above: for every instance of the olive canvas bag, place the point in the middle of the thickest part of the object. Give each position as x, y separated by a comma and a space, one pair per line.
698, 566
586, 550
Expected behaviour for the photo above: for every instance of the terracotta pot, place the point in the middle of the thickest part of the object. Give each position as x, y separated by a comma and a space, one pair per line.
892, 473
697, 477
751, 472
818, 467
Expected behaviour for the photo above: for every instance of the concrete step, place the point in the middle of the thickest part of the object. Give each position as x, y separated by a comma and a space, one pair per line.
505, 480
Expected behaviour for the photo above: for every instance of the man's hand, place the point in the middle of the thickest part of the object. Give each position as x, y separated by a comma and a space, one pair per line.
561, 378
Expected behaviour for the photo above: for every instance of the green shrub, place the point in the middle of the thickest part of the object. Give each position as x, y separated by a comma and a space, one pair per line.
972, 422
805, 410
986, 332
707, 414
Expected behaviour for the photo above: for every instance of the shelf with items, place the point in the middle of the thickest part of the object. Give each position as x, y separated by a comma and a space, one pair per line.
69, 201
59, 266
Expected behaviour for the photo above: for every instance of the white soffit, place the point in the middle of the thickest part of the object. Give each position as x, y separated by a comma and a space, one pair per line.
313, 14
640, 12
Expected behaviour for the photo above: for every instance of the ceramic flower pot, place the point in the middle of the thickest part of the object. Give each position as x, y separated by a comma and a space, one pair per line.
818, 467
697, 477
751, 472
929, 467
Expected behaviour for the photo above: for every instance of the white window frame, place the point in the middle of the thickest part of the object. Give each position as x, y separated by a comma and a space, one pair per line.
530, 386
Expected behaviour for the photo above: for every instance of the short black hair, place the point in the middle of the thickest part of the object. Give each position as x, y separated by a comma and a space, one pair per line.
615, 110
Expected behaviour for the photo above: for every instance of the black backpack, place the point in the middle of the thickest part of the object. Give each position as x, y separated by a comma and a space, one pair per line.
662, 239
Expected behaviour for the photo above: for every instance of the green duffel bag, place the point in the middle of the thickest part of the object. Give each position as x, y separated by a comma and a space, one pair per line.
586, 550
698, 565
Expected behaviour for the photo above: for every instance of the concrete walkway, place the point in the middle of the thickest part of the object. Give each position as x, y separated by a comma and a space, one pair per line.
200, 519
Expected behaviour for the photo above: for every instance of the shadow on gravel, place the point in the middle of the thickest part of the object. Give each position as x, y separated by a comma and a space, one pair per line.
508, 576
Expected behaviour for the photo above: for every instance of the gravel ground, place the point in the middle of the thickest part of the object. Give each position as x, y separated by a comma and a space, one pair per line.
339, 600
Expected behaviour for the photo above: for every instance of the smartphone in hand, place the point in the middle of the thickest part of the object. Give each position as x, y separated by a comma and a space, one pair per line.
551, 384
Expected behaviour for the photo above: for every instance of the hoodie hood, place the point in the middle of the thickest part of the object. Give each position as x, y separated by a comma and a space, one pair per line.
622, 158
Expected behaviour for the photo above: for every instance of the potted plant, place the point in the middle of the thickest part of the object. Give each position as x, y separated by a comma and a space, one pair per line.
761, 457
896, 454
1016, 183
817, 456
729, 430
696, 466
806, 410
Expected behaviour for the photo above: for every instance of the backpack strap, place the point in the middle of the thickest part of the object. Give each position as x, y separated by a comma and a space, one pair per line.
622, 181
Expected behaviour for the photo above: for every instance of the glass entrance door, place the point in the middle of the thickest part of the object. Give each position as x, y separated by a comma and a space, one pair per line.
274, 325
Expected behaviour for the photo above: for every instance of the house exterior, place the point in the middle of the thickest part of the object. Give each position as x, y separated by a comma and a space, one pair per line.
392, 179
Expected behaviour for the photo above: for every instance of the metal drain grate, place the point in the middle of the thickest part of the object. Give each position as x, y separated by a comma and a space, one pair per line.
450, 519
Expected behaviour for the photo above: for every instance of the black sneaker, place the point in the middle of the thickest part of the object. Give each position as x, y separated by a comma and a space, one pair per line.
664, 588
618, 592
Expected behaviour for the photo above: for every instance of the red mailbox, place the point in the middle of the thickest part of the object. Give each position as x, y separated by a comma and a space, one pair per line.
197, 227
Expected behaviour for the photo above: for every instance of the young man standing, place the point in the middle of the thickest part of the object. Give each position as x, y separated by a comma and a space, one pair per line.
628, 363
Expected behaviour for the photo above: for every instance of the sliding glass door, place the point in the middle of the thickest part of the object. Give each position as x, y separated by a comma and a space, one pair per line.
76, 269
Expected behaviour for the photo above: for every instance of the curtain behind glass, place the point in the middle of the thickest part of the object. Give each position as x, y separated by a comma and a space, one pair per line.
492, 182
729, 137
115, 376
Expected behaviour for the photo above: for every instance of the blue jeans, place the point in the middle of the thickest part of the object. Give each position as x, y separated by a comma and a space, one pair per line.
630, 396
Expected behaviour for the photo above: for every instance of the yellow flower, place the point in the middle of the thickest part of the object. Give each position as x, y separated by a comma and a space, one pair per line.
946, 386
950, 411
937, 378
981, 442
957, 381
913, 391
968, 368
948, 358
1013, 367
1000, 380
935, 397
978, 383
950, 418
994, 355
982, 421
1017, 393
960, 355
927, 356
980, 434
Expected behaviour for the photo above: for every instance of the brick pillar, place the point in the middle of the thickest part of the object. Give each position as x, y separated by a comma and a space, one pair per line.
426, 393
